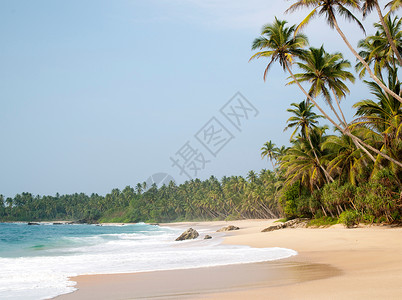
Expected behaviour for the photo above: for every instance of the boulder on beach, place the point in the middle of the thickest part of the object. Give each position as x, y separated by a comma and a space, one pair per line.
207, 237
228, 228
295, 223
33, 223
189, 234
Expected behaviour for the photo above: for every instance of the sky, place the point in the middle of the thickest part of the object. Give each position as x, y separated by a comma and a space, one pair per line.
96, 94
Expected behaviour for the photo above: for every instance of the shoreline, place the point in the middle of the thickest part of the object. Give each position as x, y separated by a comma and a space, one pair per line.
356, 263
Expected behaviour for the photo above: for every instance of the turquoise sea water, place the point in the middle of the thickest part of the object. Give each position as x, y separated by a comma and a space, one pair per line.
36, 261
22, 240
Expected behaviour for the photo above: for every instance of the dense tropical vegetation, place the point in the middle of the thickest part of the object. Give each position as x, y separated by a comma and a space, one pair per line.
351, 170
354, 172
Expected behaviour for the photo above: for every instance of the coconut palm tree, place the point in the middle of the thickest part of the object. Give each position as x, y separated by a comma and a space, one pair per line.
328, 9
277, 44
372, 51
327, 74
345, 159
300, 162
383, 118
305, 120
268, 151
367, 7
393, 26
280, 44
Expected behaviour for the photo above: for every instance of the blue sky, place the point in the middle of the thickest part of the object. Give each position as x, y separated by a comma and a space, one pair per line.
96, 95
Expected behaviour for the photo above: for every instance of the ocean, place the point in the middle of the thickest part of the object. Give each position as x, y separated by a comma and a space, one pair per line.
37, 261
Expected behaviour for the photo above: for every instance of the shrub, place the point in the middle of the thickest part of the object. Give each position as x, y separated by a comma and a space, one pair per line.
349, 218
322, 222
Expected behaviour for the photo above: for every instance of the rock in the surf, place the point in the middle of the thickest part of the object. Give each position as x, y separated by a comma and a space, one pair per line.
189, 234
228, 228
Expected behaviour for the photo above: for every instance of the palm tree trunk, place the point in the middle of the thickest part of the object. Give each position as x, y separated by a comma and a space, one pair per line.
364, 63
346, 125
328, 177
388, 34
339, 107
353, 137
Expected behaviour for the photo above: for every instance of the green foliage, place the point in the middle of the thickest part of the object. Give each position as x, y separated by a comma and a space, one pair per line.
283, 220
349, 218
322, 222
289, 198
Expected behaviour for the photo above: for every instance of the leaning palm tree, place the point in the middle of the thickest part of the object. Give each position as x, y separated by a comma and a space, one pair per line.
368, 6
268, 151
281, 43
329, 8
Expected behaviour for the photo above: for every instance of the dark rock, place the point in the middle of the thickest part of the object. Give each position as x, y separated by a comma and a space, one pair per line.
33, 223
189, 234
57, 223
228, 228
155, 224
207, 237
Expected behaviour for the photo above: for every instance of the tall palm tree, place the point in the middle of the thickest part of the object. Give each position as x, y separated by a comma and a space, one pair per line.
283, 44
328, 9
368, 6
268, 151
305, 120
327, 74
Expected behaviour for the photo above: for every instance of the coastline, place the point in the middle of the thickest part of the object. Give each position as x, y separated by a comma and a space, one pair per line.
333, 262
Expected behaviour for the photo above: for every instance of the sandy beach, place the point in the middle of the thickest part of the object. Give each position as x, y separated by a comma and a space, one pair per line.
333, 263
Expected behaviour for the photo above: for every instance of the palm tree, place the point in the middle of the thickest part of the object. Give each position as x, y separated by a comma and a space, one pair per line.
393, 26
327, 74
328, 9
368, 6
394, 5
278, 44
280, 152
281, 43
268, 150
372, 51
305, 120
301, 164
383, 118
346, 159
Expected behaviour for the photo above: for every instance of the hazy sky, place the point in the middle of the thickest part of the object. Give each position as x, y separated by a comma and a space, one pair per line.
96, 95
